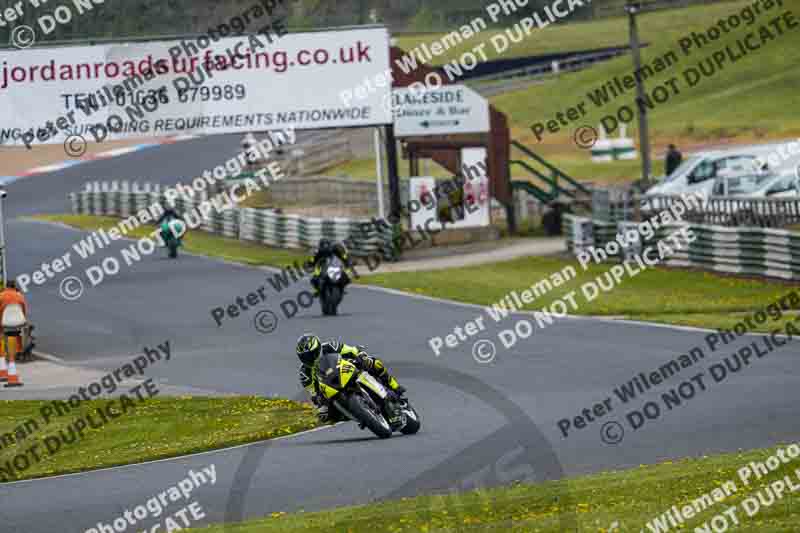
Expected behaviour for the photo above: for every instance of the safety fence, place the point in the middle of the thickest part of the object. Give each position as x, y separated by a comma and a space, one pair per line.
716, 210
266, 226
741, 250
762, 212
317, 153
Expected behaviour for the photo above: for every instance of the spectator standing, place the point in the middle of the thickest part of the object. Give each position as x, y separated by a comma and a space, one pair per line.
673, 159
11, 324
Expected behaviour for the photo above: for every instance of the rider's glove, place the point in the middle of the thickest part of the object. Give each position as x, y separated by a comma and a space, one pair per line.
316, 400
367, 362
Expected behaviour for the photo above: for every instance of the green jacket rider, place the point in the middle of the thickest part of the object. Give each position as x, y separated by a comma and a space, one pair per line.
309, 348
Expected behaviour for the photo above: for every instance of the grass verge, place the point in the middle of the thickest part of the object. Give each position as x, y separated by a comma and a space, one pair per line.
198, 242
632, 498
671, 296
155, 428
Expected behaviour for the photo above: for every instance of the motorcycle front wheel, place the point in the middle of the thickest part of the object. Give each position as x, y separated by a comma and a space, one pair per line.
413, 423
323, 300
334, 298
363, 410
329, 299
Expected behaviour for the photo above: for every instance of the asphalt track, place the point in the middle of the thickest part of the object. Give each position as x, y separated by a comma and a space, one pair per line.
483, 424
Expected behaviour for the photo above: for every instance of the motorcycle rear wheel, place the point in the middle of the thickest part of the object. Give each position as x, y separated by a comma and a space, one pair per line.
360, 408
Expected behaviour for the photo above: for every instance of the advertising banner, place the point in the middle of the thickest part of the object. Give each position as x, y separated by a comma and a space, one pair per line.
234, 84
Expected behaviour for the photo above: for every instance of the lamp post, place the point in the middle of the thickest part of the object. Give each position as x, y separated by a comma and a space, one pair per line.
632, 9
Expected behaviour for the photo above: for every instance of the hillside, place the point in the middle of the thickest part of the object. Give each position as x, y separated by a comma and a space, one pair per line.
751, 97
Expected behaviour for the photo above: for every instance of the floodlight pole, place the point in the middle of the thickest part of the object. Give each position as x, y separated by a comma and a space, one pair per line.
644, 140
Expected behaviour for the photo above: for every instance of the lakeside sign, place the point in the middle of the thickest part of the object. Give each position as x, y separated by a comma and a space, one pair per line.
445, 110
159, 88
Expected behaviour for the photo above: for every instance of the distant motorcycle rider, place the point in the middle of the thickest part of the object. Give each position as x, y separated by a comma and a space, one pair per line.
309, 348
169, 214
167, 217
325, 250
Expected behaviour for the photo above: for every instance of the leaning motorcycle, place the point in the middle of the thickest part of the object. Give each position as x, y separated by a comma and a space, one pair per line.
172, 232
331, 285
357, 395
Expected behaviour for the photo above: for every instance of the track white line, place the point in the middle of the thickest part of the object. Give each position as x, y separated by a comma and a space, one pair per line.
49, 357
693, 329
168, 459
424, 297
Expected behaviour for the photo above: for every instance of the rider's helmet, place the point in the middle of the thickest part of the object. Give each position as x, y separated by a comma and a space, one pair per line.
308, 348
325, 246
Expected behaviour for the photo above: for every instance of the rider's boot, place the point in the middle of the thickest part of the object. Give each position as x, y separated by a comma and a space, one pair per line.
397, 401
315, 286
394, 385
386, 378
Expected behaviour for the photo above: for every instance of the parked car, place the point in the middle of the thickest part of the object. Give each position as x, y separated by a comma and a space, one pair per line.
699, 172
733, 194
752, 185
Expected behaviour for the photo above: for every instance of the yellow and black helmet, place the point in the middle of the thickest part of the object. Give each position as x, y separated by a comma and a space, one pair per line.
308, 348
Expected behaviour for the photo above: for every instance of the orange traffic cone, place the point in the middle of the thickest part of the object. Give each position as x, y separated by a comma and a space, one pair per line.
13, 376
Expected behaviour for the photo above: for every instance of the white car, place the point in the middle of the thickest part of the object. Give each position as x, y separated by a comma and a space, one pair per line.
699, 172
751, 185
732, 195
694, 173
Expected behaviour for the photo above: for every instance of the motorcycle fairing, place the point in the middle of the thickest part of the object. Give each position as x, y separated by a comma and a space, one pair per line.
372, 384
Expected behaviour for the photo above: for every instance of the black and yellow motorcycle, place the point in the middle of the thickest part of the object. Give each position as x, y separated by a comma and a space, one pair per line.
358, 396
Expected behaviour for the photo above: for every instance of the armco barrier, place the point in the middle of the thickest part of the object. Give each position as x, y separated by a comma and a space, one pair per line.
745, 250
293, 231
603, 231
720, 210
741, 250
124, 199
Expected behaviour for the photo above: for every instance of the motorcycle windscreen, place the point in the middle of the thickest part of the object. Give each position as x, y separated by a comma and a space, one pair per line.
333, 261
333, 269
328, 374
